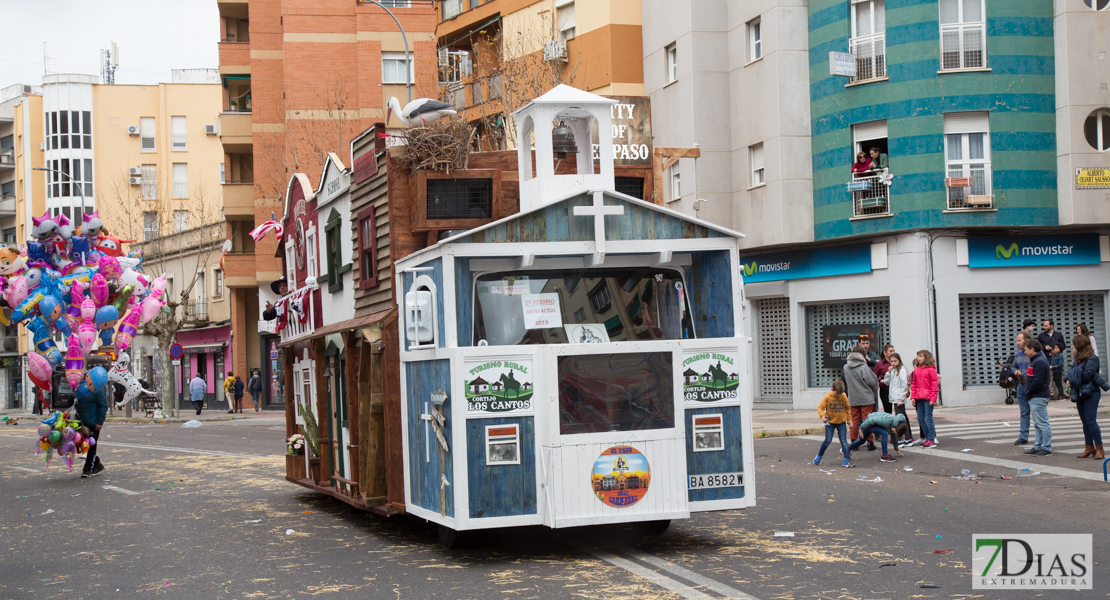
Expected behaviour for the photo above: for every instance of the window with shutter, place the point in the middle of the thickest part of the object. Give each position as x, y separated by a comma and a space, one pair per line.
177, 125
146, 135
150, 182
367, 249
180, 180
756, 152
967, 158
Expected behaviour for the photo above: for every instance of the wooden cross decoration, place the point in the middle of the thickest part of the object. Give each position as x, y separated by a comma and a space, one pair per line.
599, 210
426, 416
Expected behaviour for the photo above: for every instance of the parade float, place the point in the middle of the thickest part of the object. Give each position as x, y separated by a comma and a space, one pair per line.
73, 283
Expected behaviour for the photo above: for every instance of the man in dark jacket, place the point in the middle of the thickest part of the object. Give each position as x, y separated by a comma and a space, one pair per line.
254, 386
92, 409
238, 393
1037, 377
1050, 338
1019, 366
863, 390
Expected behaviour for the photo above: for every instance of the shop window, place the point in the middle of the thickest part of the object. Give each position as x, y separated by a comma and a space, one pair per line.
825, 362
709, 433
502, 445
367, 249
622, 392
1097, 128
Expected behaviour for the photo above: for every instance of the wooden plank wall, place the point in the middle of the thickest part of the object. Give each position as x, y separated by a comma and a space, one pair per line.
373, 192
501, 490
729, 460
391, 414
425, 475
464, 290
710, 280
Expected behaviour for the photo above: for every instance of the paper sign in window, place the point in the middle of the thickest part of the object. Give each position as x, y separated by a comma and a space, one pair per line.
541, 311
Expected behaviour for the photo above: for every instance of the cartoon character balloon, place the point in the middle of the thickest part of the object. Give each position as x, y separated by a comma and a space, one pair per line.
75, 361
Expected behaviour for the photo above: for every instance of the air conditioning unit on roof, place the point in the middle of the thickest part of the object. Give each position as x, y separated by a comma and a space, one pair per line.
132, 130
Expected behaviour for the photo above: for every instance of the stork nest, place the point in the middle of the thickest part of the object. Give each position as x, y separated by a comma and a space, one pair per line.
442, 145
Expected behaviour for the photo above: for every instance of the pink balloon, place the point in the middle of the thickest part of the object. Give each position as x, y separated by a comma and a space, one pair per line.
18, 290
39, 369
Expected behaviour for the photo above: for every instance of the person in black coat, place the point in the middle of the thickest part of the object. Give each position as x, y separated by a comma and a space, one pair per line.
1050, 338
238, 394
1086, 390
1037, 378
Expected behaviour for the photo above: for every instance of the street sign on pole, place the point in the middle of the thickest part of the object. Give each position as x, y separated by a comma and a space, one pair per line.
175, 352
842, 64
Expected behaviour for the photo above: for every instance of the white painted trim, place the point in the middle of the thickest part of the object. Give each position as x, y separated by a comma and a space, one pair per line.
498, 522
718, 428
730, 504
878, 256
450, 317
962, 254
460, 487
434, 517
516, 440
1104, 248
627, 518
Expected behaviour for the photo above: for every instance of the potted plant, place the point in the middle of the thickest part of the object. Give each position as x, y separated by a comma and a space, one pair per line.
294, 457
312, 438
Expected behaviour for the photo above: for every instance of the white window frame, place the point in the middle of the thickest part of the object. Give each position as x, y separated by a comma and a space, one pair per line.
217, 283
964, 164
310, 253
291, 264
757, 158
180, 181
960, 27
674, 182
223, 173
177, 222
564, 11
1093, 4
755, 40
869, 42
1102, 137
394, 57
671, 53
150, 234
718, 427
451, 8
498, 440
149, 184
147, 125
179, 134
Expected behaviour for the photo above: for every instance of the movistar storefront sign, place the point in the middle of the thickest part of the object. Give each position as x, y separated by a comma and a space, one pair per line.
804, 264
1033, 251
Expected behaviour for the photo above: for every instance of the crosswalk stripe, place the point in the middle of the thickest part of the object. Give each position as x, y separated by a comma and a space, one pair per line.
1054, 438
1009, 434
999, 424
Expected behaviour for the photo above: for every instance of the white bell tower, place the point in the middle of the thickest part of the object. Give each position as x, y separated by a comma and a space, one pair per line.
581, 112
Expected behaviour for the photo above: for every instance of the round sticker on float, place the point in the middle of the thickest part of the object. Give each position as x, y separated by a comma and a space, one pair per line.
621, 476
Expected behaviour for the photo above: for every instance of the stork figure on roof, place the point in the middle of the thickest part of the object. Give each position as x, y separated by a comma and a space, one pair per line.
418, 112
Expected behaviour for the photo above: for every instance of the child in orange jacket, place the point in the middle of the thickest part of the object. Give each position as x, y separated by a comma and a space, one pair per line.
834, 411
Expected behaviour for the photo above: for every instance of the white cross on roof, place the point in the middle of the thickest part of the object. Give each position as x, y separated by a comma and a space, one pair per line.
599, 210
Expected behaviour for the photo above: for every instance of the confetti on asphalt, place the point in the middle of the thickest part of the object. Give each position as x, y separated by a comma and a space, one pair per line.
289, 532
908, 469
943, 551
784, 534
49, 511
967, 450
254, 521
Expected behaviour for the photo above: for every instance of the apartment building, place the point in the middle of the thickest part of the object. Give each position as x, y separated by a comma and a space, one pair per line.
985, 205
300, 79
494, 56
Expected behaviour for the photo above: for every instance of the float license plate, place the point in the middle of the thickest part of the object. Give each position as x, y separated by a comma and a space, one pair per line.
715, 480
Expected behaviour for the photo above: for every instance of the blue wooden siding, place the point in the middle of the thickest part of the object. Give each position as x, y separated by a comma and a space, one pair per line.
729, 460
558, 223
425, 477
502, 490
709, 278
436, 275
464, 291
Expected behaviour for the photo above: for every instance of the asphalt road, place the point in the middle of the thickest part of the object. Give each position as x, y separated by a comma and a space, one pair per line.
206, 513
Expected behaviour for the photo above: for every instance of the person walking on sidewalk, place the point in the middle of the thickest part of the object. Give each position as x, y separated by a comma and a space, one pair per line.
36, 402
1037, 376
884, 425
229, 392
197, 388
863, 389
833, 410
880, 370
92, 408
1085, 382
254, 386
924, 391
1019, 366
238, 387
897, 379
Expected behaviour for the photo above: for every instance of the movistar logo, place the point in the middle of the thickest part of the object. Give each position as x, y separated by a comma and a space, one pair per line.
1001, 253
753, 268
749, 270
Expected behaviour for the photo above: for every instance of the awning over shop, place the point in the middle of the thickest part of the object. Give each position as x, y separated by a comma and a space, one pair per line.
348, 325
204, 348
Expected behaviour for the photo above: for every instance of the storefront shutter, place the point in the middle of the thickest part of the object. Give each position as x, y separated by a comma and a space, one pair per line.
966, 122
989, 324
871, 130
775, 365
846, 313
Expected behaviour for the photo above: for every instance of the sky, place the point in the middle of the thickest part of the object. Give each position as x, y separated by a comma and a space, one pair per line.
153, 36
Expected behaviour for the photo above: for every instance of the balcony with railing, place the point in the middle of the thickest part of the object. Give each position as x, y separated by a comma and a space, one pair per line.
9, 344
870, 53
969, 186
196, 312
294, 328
963, 46
870, 192
7, 205
7, 159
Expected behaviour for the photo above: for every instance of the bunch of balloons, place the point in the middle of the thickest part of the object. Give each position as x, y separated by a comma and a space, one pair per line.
68, 437
76, 282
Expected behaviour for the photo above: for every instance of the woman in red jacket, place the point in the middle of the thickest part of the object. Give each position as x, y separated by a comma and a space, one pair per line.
924, 390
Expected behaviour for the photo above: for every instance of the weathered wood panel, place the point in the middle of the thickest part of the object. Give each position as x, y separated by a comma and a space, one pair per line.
391, 413
501, 490
710, 279
729, 460
464, 291
428, 463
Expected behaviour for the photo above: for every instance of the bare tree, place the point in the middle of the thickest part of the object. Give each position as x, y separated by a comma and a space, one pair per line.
188, 251
508, 70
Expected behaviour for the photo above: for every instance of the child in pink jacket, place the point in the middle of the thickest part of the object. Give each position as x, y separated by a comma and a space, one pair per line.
924, 389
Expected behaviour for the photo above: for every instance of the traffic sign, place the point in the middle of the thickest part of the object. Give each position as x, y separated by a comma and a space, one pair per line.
176, 351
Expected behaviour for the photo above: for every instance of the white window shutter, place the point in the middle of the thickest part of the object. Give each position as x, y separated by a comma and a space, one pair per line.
757, 157
967, 122
871, 130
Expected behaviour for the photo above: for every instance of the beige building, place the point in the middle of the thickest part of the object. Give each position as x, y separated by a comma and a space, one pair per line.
147, 157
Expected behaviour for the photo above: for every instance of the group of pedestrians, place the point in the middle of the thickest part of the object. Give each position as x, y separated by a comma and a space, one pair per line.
234, 387
871, 379
1038, 365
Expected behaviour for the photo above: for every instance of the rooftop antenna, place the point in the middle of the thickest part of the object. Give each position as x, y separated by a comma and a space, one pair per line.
109, 62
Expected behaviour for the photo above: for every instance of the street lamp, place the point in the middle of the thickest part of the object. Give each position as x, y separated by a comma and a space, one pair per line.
408, 61
76, 184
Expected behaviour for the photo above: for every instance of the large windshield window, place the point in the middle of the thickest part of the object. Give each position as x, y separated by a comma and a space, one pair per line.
581, 306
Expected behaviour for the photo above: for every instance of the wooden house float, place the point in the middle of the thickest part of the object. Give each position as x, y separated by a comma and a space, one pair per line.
546, 357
